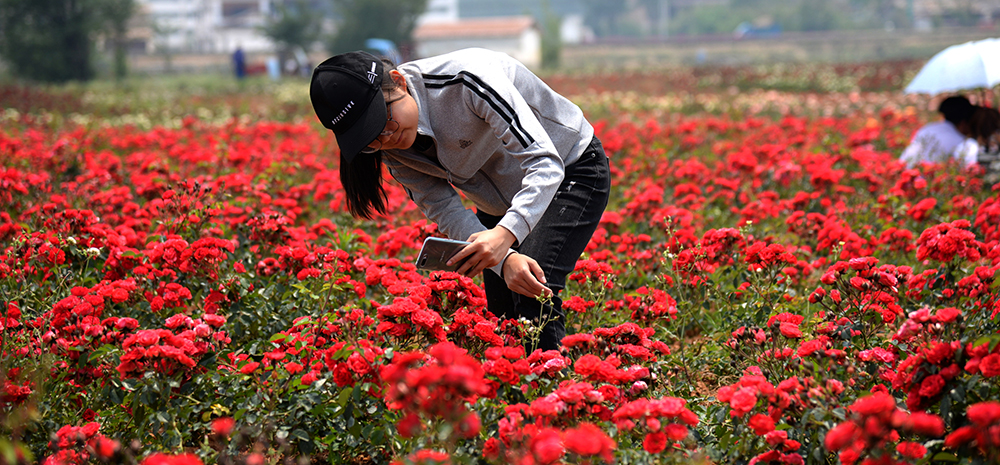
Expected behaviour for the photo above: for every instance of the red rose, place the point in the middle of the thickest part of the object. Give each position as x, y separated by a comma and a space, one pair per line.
961, 437
491, 450
293, 368
767, 457
147, 338
249, 368
105, 448
924, 424
655, 442
469, 426
911, 450
587, 365
588, 440
790, 330
776, 438
931, 386
675, 432
725, 394
164, 459
761, 424
309, 378
874, 405
214, 320
840, 436
791, 459
984, 414
409, 425
947, 315
743, 401
989, 366
223, 426
547, 446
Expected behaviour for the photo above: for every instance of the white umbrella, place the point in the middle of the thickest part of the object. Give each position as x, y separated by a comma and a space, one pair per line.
972, 65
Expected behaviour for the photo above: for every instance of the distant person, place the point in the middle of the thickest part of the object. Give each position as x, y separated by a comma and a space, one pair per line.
239, 63
984, 125
945, 140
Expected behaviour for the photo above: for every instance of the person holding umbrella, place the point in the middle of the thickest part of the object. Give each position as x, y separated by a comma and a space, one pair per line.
944, 140
984, 125
478, 122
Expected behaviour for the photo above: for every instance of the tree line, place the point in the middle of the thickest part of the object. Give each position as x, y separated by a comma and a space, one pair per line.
55, 40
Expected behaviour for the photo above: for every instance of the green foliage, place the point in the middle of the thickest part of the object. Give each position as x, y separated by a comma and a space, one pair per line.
47, 40
708, 20
293, 25
52, 40
551, 39
113, 17
819, 15
364, 19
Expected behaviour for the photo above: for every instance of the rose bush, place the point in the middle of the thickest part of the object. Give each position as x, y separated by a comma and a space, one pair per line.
761, 290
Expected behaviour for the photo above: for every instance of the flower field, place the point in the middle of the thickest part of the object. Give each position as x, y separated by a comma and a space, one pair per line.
180, 283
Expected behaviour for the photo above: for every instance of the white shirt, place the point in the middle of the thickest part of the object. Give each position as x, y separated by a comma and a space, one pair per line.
937, 143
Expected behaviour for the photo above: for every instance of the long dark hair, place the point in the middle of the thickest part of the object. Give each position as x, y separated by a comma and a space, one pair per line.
362, 178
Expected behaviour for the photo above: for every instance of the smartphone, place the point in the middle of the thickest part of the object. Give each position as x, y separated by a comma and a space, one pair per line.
436, 251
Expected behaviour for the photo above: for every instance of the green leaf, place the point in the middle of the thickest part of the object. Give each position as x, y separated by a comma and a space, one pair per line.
944, 457
725, 440
300, 434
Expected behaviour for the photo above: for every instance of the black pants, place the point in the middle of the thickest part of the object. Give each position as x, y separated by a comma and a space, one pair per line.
555, 243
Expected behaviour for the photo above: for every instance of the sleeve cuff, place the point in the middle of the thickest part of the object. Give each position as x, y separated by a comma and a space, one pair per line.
498, 269
516, 225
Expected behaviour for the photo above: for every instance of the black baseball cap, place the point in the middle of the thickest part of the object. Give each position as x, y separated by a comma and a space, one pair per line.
346, 92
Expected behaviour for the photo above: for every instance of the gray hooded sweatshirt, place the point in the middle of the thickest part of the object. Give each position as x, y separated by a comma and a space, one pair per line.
501, 136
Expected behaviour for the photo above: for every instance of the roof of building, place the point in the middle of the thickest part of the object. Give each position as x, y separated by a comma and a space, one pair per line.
476, 27
536, 8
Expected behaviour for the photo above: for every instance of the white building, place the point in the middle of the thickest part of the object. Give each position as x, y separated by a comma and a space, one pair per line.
439, 11
206, 26
517, 36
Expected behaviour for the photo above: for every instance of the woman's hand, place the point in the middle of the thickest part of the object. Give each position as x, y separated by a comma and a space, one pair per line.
487, 249
523, 276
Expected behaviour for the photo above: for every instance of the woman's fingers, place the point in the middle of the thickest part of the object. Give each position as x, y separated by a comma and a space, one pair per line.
524, 276
486, 249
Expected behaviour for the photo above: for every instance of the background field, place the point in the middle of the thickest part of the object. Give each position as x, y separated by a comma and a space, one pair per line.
800, 47
790, 47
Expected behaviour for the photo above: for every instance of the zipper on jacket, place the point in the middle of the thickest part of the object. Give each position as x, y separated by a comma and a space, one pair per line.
496, 189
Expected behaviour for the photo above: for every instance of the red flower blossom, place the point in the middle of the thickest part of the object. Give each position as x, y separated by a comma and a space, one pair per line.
546, 446
164, 459
911, 450
655, 442
588, 440
223, 426
761, 424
